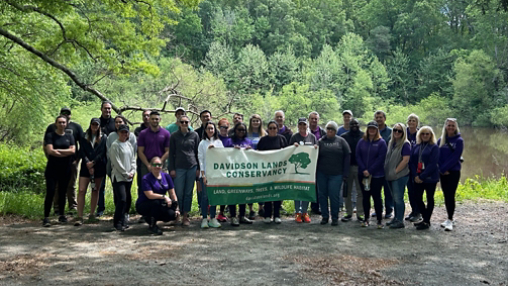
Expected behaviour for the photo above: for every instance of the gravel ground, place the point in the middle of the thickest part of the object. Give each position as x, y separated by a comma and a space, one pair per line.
474, 253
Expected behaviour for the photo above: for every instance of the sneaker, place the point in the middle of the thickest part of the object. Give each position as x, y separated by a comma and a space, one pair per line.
335, 221
380, 224
306, 218
324, 220
346, 218
204, 223
252, 215
389, 215
79, 221
267, 220
234, 221
373, 215
448, 225
277, 220
397, 224
391, 222
119, 227
92, 219
46, 223
365, 223
155, 229
62, 219
416, 224
415, 218
142, 219
245, 220
298, 218
409, 216
360, 218
186, 221
445, 223
423, 226
214, 223
99, 213
222, 218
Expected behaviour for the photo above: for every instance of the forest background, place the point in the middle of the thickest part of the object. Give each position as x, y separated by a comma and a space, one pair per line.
436, 58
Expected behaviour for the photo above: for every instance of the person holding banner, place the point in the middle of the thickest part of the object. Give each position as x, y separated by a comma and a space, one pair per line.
239, 140
273, 141
254, 133
303, 137
332, 169
370, 156
210, 140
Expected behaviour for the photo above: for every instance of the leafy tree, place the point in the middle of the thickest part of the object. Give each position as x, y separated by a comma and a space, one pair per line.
300, 160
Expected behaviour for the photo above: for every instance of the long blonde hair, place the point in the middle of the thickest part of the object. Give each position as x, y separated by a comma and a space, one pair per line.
426, 129
250, 130
443, 134
402, 140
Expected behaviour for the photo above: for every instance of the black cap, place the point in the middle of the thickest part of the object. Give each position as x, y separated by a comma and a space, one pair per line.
303, 120
123, 127
204, 111
65, 108
373, 124
95, 120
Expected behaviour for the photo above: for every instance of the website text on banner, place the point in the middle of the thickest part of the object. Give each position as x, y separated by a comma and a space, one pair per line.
239, 176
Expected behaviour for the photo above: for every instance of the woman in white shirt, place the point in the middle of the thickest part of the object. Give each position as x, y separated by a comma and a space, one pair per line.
123, 168
210, 140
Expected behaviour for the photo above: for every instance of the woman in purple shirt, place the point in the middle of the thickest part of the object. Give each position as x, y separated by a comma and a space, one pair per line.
370, 156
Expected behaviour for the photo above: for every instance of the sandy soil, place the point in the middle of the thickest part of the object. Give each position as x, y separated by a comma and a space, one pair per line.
475, 253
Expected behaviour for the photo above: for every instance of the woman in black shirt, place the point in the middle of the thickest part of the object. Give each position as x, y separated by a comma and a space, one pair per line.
273, 141
59, 147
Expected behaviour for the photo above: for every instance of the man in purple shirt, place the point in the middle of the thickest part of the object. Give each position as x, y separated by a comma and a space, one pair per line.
314, 125
283, 129
153, 141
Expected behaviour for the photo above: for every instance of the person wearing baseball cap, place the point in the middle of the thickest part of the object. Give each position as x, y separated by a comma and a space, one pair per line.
347, 115
303, 137
173, 127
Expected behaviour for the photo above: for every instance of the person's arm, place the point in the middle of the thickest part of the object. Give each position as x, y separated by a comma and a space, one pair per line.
196, 145
167, 140
142, 157
454, 157
67, 152
284, 142
432, 163
361, 165
82, 152
133, 141
172, 153
346, 163
132, 163
101, 150
402, 164
52, 152
201, 156
379, 161
413, 161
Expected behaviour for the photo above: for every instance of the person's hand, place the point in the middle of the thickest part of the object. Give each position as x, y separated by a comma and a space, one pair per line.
172, 173
366, 173
205, 181
75, 162
315, 146
57, 153
168, 201
237, 147
446, 173
248, 147
131, 175
177, 214
89, 165
210, 146
417, 180
296, 144
91, 171
197, 174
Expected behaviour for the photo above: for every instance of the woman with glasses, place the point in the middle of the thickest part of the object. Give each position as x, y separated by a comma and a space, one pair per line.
93, 168
451, 146
413, 121
59, 147
210, 140
370, 156
274, 141
123, 168
239, 141
425, 172
255, 133
184, 162
152, 201
397, 171
332, 169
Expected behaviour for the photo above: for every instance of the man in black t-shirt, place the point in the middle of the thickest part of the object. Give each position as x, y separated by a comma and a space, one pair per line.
107, 127
75, 130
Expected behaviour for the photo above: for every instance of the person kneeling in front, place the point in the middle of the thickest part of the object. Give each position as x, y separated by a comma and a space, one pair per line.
152, 201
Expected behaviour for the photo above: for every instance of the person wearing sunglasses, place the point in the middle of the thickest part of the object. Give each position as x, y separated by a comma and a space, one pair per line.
123, 168
239, 141
425, 172
184, 165
332, 169
274, 141
370, 156
210, 140
152, 201
60, 148
76, 131
397, 172
93, 168
451, 146
173, 127
255, 132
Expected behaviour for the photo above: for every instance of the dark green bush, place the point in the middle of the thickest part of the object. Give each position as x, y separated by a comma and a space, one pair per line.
22, 168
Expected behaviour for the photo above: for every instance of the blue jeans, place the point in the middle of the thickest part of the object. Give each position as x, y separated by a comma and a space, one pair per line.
204, 202
301, 207
398, 188
329, 186
184, 184
413, 200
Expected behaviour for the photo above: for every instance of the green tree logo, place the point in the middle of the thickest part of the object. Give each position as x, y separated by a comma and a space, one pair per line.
300, 160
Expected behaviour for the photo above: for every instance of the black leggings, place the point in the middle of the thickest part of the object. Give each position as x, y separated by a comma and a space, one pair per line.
429, 189
122, 195
51, 181
376, 184
276, 209
232, 210
449, 185
155, 209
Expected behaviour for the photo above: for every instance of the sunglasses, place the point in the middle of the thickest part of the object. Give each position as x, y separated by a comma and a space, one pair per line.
272, 128
184, 122
329, 128
398, 131
223, 127
157, 165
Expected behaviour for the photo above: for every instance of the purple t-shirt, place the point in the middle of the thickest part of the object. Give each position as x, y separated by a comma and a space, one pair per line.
282, 129
243, 143
150, 183
406, 149
317, 133
154, 142
226, 141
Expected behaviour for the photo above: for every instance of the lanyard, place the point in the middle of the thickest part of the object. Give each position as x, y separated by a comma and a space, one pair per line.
421, 151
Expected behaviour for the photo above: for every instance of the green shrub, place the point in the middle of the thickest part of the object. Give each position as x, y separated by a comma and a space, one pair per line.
22, 168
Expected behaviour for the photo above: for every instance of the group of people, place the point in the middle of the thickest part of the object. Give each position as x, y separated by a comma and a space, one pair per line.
352, 167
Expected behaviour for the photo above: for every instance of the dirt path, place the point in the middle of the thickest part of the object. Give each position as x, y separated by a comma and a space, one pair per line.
475, 253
